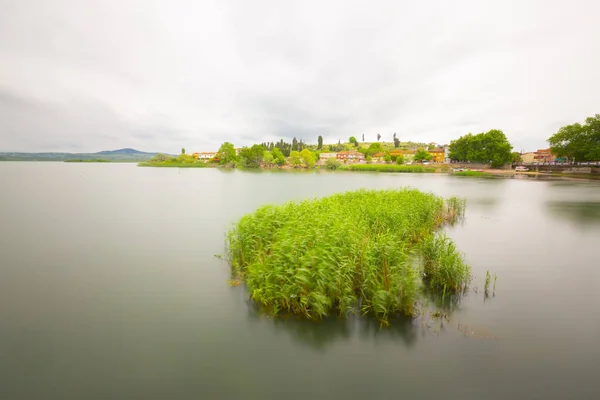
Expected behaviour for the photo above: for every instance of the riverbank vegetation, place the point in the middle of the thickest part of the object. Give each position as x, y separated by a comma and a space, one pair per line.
367, 251
386, 168
92, 160
181, 161
472, 173
578, 142
491, 148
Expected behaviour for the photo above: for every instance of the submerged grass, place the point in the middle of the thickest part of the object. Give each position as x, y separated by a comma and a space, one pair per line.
348, 252
386, 168
472, 173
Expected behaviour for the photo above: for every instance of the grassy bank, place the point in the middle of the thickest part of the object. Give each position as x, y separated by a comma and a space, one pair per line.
472, 173
94, 160
386, 168
173, 165
363, 251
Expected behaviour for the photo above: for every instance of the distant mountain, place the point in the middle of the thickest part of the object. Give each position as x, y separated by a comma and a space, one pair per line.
126, 151
120, 155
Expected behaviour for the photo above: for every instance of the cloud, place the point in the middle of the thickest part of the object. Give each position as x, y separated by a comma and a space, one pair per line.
88, 76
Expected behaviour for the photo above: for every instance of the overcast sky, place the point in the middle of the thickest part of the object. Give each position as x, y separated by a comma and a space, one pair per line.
91, 75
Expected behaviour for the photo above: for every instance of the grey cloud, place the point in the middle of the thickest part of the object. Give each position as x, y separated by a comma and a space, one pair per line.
99, 75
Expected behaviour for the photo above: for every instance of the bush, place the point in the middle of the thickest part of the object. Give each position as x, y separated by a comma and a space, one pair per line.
346, 253
332, 163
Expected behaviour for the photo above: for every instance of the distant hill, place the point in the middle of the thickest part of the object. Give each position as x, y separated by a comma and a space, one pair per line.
120, 155
126, 151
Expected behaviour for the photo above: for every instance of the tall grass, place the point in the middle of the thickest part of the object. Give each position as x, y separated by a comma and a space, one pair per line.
472, 173
347, 253
385, 168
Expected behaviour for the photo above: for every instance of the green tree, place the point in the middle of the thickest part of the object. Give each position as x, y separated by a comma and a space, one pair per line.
369, 158
226, 154
278, 156
491, 148
332, 163
400, 159
396, 142
308, 158
320, 142
516, 157
253, 156
160, 158
295, 144
387, 158
578, 142
268, 159
182, 150
420, 155
353, 141
295, 159
378, 137
363, 137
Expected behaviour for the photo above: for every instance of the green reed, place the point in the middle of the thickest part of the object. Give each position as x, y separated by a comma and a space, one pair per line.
386, 168
347, 253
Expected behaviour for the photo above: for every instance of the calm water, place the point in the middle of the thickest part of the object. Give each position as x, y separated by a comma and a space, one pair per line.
109, 290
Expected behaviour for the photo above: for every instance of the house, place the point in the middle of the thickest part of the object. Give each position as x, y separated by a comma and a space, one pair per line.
437, 154
378, 157
206, 155
351, 156
541, 156
409, 155
325, 156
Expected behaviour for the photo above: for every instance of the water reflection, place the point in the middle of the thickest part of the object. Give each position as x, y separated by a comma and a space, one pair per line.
319, 335
584, 214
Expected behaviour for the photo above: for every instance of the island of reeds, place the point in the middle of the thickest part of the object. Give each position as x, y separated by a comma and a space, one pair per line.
367, 251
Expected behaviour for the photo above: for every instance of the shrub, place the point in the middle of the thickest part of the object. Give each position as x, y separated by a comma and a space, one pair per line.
346, 253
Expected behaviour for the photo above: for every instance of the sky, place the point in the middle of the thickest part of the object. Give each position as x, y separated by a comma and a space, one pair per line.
86, 76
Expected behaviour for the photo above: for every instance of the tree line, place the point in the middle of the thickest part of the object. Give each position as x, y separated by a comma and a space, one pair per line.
578, 142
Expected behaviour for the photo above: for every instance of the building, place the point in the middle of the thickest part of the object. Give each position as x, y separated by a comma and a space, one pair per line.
538, 157
326, 156
437, 155
206, 155
350, 156
377, 157
409, 155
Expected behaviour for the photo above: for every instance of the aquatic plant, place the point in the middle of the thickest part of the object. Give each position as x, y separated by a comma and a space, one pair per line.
386, 168
472, 173
350, 252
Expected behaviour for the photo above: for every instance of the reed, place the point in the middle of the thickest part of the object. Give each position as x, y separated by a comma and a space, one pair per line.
347, 253
386, 168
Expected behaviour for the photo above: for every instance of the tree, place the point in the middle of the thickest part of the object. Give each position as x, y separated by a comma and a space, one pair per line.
295, 158
294, 144
378, 137
396, 142
420, 155
253, 156
400, 159
332, 163
268, 159
320, 142
353, 141
278, 157
394, 136
363, 137
369, 159
516, 157
578, 142
491, 148
226, 154
159, 158
308, 158
183, 150
387, 158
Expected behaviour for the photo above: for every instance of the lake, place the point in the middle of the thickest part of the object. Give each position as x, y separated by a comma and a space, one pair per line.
109, 289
